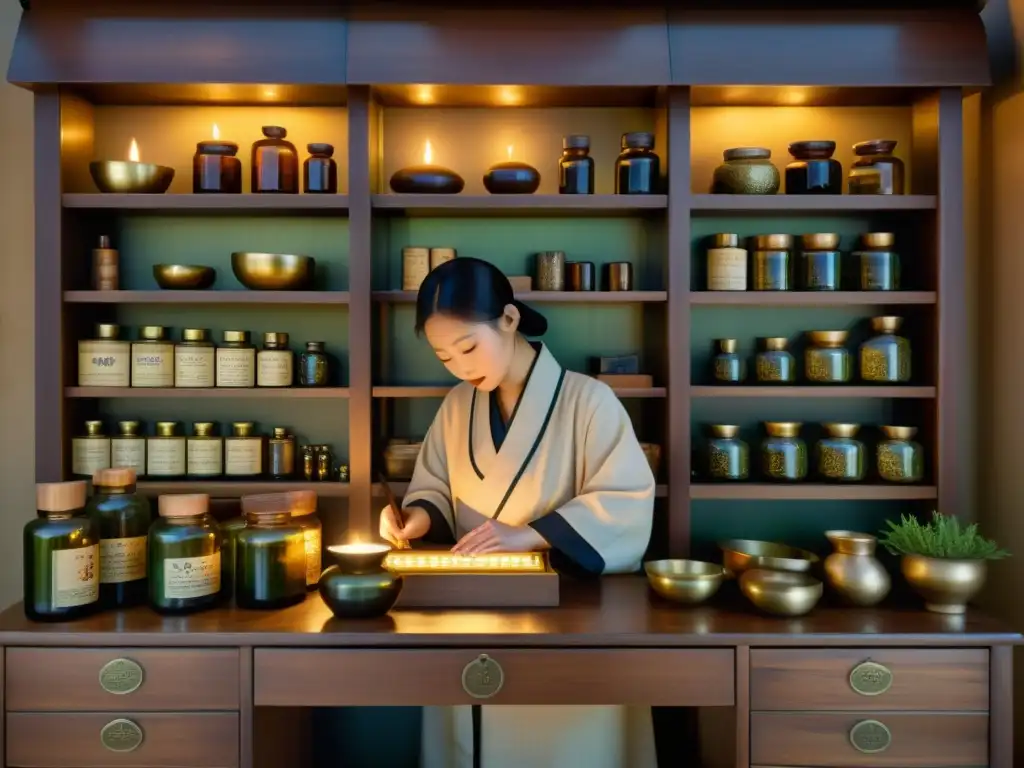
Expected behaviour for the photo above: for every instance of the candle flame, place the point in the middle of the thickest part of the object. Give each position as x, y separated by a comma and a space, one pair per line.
216, 131
428, 153
509, 151
133, 152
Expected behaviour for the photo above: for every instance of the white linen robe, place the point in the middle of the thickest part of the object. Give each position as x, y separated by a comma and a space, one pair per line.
570, 466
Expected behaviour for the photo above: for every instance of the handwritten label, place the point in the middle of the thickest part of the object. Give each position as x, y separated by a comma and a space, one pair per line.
128, 452
236, 367
75, 577
152, 365
187, 577
122, 559
193, 366
89, 454
103, 363
313, 562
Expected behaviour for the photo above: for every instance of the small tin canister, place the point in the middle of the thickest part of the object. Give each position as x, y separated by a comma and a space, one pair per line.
550, 270
579, 275
618, 276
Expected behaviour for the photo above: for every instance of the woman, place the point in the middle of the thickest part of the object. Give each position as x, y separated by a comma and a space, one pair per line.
524, 456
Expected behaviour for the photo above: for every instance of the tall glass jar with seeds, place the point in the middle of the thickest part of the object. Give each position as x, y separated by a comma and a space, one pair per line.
840, 458
728, 457
184, 555
885, 358
826, 360
122, 517
774, 363
783, 452
900, 459
728, 366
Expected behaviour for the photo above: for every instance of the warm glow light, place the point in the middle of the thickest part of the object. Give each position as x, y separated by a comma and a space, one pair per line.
428, 153
359, 548
133, 152
424, 94
216, 131
510, 95
794, 96
509, 151
430, 562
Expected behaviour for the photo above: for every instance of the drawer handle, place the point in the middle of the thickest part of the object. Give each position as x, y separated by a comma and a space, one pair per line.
870, 737
121, 735
121, 676
869, 678
483, 677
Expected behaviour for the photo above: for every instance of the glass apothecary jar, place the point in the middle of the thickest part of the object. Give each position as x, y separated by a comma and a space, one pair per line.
820, 262
243, 452
228, 538
746, 171
204, 451
275, 363
885, 357
104, 361
236, 361
152, 358
576, 166
166, 452
275, 163
900, 459
184, 555
876, 171
813, 170
840, 457
128, 447
774, 363
728, 366
783, 451
320, 170
90, 452
771, 262
270, 557
303, 508
122, 517
878, 261
637, 168
728, 457
194, 359
314, 367
826, 360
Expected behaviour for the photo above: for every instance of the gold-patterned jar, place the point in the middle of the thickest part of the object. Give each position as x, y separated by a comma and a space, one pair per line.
728, 456
878, 261
886, 356
165, 452
275, 363
774, 363
728, 366
205, 451
128, 448
826, 360
900, 459
152, 358
106, 360
839, 456
90, 452
236, 361
746, 171
772, 264
783, 452
194, 358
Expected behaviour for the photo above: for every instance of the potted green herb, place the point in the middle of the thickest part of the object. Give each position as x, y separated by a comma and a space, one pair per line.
943, 561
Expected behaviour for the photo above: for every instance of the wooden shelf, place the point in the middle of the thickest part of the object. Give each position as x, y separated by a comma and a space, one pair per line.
400, 488
206, 297
810, 492
551, 297
810, 298
256, 393
206, 203
816, 392
426, 391
811, 203
234, 488
498, 205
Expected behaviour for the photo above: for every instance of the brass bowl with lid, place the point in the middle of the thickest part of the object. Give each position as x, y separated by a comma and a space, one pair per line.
184, 277
741, 555
273, 271
684, 581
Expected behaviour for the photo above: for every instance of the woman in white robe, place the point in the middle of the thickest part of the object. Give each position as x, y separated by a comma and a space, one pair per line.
524, 456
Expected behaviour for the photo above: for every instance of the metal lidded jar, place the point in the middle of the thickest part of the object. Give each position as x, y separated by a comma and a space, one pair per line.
885, 357
728, 366
314, 370
270, 555
152, 358
184, 555
840, 457
243, 452
783, 452
90, 451
194, 359
550, 269
165, 452
876, 171
204, 450
814, 171
576, 166
770, 256
123, 517
820, 262
637, 168
728, 456
275, 363
826, 360
900, 458
106, 360
236, 360
128, 447
281, 450
320, 170
774, 363
61, 555
746, 171
879, 263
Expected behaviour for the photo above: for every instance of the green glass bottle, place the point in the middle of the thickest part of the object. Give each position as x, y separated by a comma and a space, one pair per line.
184, 556
123, 518
228, 539
61, 555
270, 555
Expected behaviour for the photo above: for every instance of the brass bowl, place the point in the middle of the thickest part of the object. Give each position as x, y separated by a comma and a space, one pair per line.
124, 176
946, 585
273, 271
780, 593
181, 277
741, 555
820, 241
684, 581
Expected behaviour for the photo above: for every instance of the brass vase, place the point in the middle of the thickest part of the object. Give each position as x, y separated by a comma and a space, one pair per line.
946, 585
853, 570
358, 586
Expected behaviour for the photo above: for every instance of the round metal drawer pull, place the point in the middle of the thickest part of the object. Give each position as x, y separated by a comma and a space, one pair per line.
121, 735
870, 737
121, 676
869, 678
483, 677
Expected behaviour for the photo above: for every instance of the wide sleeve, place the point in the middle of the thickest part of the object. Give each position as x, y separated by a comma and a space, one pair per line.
605, 528
430, 488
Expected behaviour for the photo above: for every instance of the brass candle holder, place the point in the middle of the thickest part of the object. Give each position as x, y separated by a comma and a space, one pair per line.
131, 176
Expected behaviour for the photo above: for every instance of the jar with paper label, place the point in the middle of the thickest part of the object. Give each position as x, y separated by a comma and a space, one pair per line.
303, 508
204, 451
885, 357
270, 556
122, 517
91, 451
236, 360
275, 363
61, 555
104, 361
165, 452
153, 358
243, 452
184, 556
775, 365
415, 267
194, 358
728, 366
727, 264
128, 448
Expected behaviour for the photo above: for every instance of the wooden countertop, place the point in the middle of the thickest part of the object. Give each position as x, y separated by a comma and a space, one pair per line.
618, 611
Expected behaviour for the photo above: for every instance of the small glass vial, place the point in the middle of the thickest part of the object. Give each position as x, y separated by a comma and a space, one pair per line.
61, 555
165, 452
122, 517
275, 163
275, 363
184, 556
576, 166
885, 357
152, 358
637, 168
128, 448
728, 456
728, 366
236, 361
303, 509
314, 369
194, 359
900, 459
826, 360
771, 262
270, 558
840, 458
204, 451
879, 263
243, 452
727, 264
228, 538
876, 171
90, 452
281, 450
783, 452
320, 171
309, 463
324, 459
106, 360
774, 363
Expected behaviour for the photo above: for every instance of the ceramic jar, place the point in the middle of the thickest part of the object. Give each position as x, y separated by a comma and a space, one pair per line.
358, 585
885, 357
826, 360
746, 171
876, 171
728, 457
900, 459
840, 458
853, 571
783, 452
813, 170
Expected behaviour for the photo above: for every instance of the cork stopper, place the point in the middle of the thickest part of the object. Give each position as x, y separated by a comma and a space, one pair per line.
117, 477
184, 505
60, 497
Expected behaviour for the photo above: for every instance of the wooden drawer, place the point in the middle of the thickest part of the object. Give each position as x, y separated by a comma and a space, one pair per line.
933, 740
79, 740
324, 678
923, 680
69, 679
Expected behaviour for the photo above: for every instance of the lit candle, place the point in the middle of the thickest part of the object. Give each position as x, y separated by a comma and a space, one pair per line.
427, 178
131, 175
511, 177
215, 167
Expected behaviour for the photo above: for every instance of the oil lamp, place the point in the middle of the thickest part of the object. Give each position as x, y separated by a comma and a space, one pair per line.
215, 167
358, 586
131, 175
511, 178
427, 178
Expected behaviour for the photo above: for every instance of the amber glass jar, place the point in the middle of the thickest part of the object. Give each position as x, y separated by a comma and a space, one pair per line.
637, 169
876, 171
576, 166
813, 170
184, 555
275, 163
122, 517
303, 508
320, 171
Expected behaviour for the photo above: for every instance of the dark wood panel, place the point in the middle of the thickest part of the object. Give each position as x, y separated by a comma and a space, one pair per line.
247, 709
67, 679
813, 392
922, 679
810, 203
181, 203
811, 491
228, 393
206, 297
550, 297
811, 298
236, 488
925, 740
327, 678
1001, 713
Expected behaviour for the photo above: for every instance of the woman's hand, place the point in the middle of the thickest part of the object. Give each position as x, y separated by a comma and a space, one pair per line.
493, 536
417, 523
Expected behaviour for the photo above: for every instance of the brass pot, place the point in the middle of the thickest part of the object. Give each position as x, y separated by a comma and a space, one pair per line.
183, 276
853, 571
273, 271
128, 177
946, 585
684, 581
358, 586
779, 593
740, 555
